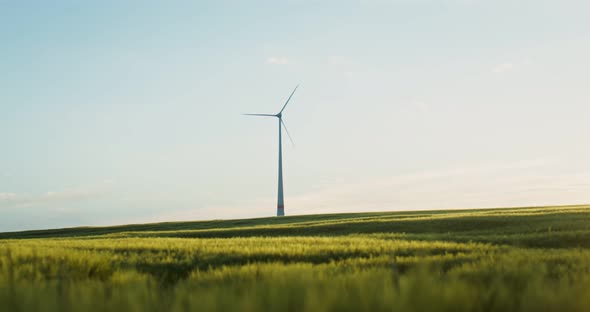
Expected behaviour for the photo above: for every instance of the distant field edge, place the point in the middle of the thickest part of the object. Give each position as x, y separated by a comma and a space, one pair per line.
84, 231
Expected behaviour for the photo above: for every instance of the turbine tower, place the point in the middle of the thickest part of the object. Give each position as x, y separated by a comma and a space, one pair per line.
280, 198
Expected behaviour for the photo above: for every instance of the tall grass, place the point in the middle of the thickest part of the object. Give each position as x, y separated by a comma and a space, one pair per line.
489, 260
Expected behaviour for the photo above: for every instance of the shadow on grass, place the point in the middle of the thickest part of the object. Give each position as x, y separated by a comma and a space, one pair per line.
550, 227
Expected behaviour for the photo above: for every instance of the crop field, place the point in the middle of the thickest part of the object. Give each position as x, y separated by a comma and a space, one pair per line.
514, 259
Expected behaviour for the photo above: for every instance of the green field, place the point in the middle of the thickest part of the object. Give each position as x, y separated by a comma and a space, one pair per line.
518, 259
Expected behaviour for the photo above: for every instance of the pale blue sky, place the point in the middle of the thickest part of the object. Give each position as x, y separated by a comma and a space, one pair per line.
129, 111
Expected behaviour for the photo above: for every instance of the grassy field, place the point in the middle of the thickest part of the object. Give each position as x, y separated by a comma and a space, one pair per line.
521, 259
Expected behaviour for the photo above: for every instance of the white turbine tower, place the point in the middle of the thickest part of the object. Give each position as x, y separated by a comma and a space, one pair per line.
280, 199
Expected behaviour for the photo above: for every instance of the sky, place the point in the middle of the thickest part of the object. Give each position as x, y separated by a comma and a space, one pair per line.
117, 112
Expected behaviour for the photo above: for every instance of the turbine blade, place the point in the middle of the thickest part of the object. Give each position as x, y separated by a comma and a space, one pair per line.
263, 115
289, 99
287, 130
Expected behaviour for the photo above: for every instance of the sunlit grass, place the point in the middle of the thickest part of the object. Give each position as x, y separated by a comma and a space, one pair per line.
481, 260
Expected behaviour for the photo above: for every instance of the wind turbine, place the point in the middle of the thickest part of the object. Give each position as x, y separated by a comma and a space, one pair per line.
280, 198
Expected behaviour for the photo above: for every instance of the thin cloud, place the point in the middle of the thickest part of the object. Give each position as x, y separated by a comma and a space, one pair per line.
277, 60
7, 196
503, 68
12, 200
523, 183
510, 66
527, 182
421, 106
